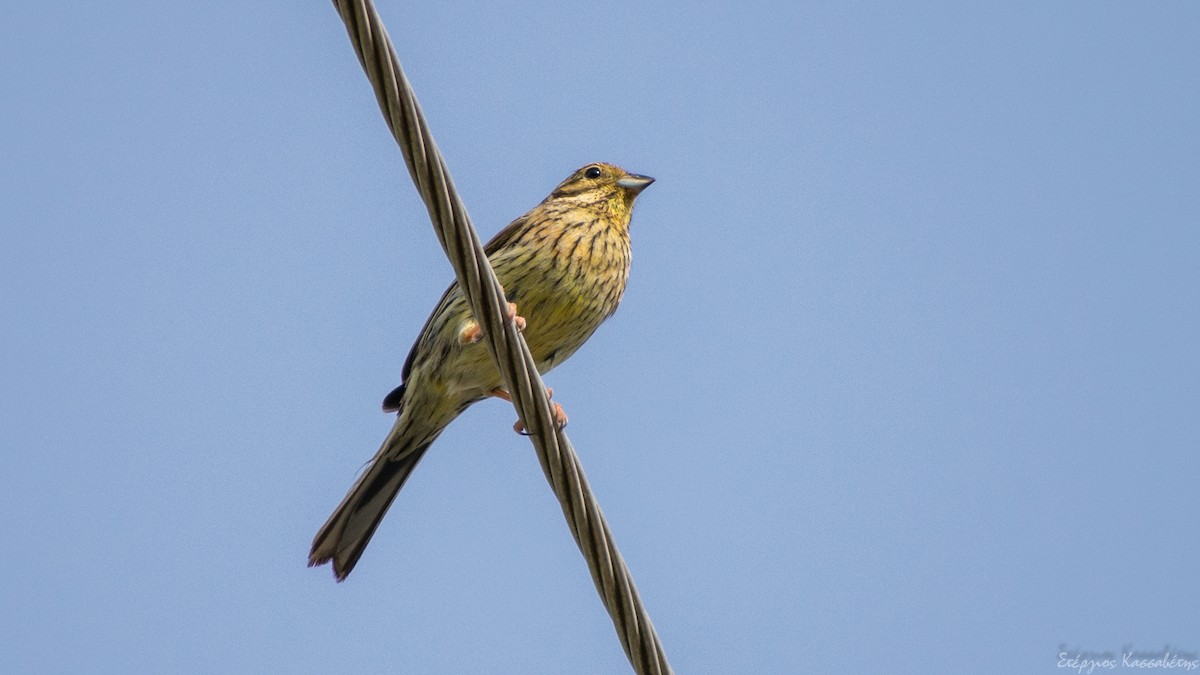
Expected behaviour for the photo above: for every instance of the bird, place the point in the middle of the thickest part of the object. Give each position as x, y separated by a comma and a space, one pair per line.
563, 267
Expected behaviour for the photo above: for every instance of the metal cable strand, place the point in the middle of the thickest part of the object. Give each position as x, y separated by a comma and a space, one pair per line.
517, 367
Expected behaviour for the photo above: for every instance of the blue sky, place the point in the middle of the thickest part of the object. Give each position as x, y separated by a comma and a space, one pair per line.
906, 378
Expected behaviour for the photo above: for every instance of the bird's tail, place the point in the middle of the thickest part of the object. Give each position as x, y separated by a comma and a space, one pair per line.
346, 534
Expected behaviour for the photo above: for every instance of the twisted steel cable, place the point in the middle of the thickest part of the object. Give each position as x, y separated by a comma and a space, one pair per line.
517, 367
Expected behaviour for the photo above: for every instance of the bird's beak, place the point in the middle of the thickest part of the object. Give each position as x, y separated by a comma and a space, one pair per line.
634, 182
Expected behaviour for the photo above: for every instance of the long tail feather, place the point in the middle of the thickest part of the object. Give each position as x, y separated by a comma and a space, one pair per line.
346, 534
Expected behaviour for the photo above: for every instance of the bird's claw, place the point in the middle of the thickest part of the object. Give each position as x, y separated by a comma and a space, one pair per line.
560, 415
560, 420
471, 332
512, 315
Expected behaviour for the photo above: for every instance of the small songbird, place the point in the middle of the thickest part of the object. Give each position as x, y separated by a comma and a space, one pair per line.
563, 267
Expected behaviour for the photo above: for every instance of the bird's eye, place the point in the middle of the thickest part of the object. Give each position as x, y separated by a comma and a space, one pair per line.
592, 172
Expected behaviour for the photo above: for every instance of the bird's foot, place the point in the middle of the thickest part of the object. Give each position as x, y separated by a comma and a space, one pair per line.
560, 415
512, 315
471, 332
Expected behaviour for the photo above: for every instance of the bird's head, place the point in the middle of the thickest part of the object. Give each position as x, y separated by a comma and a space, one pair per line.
602, 184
